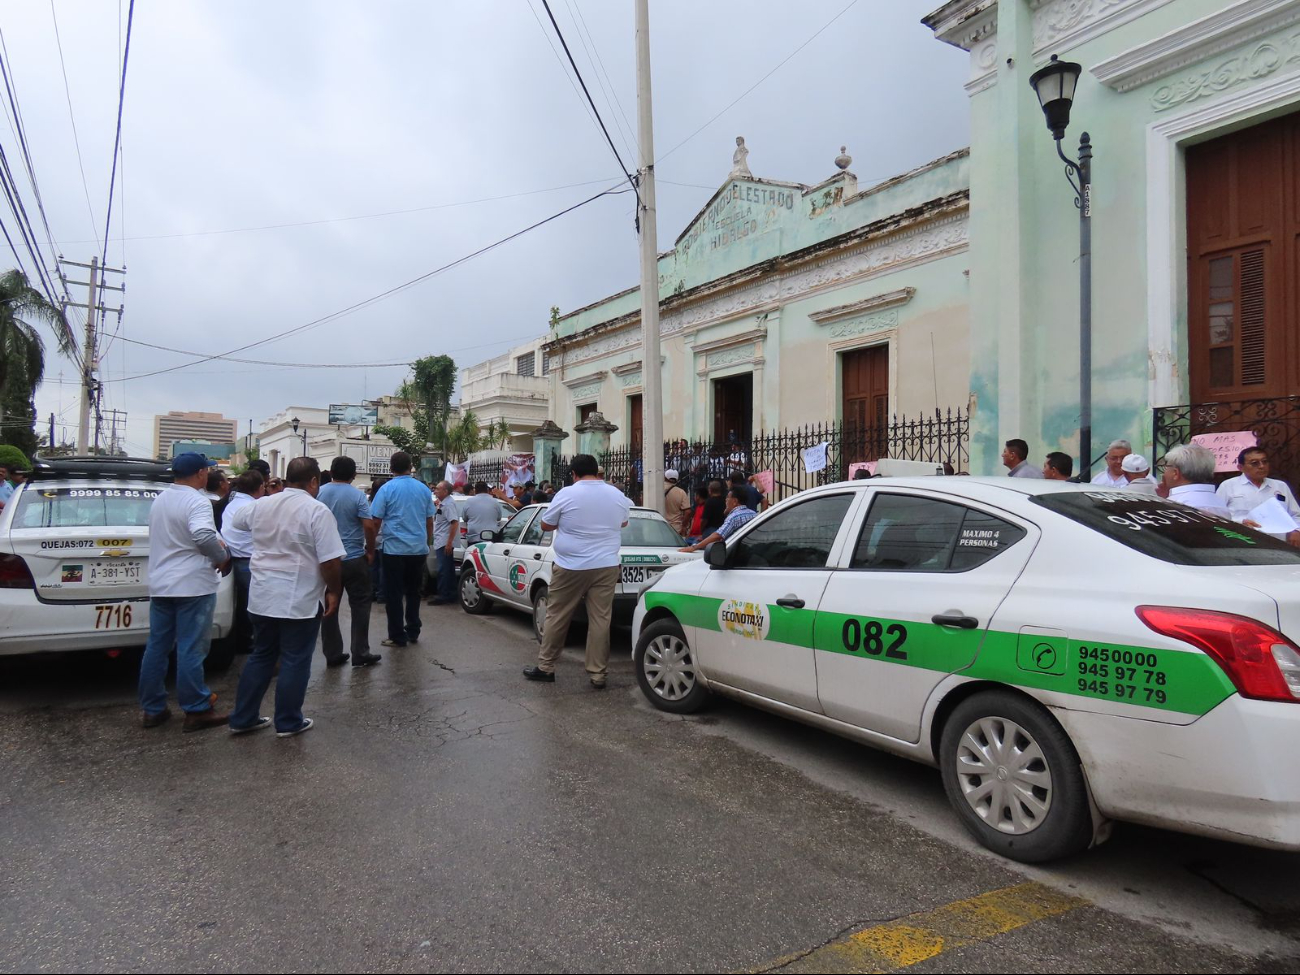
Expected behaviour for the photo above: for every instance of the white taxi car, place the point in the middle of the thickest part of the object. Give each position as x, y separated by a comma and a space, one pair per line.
514, 568
74, 560
1066, 655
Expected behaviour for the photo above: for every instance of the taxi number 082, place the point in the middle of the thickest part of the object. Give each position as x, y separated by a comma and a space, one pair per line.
874, 637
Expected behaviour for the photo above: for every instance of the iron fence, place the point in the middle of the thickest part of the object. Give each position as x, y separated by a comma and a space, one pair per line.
943, 438
1274, 422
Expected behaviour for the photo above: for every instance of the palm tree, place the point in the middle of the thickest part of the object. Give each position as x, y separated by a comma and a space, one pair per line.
498, 434
465, 437
22, 355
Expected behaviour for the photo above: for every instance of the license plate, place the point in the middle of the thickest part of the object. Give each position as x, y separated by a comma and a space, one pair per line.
639, 575
115, 573
114, 617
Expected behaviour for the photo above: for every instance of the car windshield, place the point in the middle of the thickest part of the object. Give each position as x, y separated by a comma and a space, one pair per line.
1168, 531
647, 529
84, 507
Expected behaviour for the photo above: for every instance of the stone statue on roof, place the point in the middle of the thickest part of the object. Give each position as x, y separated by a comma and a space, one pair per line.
739, 164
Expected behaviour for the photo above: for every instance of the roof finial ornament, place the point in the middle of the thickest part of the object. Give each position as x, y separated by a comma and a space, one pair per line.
844, 160
739, 164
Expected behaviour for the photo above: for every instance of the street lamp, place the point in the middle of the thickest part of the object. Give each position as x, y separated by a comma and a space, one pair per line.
1055, 85
294, 421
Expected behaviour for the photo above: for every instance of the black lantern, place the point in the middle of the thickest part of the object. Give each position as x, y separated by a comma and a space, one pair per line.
1054, 83
294, 421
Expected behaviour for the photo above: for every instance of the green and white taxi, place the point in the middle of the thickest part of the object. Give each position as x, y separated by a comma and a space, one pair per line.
1068, 656
514, 567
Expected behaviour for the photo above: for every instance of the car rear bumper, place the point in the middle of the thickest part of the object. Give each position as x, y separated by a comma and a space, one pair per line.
1231, 774
28, 626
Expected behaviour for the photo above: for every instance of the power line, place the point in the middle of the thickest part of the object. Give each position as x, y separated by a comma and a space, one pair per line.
565, 44
76, 140
117, 140
606, 87
742, 95
382, 295
559, 60
359, 216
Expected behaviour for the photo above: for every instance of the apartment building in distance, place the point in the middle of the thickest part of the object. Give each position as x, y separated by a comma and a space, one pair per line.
177, 425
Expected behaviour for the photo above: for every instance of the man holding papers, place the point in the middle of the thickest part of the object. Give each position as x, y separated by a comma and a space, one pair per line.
1254, 497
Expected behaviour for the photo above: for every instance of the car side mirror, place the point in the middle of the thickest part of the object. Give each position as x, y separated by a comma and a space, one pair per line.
715, 554
489, 536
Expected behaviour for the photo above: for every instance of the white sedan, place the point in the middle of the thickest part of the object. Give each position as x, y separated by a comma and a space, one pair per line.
74, 561
514, 567
1066, 655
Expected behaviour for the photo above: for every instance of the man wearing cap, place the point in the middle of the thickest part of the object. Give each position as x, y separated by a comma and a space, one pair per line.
1137, 475
185, 556
677, 506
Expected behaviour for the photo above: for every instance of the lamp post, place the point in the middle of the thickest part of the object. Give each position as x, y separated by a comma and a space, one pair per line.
1055, 85
294, 421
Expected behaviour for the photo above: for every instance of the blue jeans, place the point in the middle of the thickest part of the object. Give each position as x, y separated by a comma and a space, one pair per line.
403, 575
293, 643
183, 622
446, 576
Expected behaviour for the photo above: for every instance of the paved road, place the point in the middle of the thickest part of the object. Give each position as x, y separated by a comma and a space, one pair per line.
446, 815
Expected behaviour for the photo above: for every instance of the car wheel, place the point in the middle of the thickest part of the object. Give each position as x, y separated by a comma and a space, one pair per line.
539, 613
665, 669
1015, 779
221, 654
472, 599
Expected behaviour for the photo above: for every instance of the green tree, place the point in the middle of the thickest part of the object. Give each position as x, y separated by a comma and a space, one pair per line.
22, 355
402, 439
12, 457
498, 435
433, 380
464, 437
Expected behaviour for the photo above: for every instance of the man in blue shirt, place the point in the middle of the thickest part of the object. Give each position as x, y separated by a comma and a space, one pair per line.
6, 489
351, 511
404, 510
738, 513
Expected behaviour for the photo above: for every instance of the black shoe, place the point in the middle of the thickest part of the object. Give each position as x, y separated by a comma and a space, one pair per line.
536, 673
597, 685
337, 661
367, 659
393, 643
439, 601
413, 639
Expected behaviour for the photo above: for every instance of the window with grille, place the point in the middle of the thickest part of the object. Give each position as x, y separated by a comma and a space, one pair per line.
1234, 323
525, 364
546, 364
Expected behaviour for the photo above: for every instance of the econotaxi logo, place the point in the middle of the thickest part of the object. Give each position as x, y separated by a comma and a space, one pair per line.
518, 576
748, 620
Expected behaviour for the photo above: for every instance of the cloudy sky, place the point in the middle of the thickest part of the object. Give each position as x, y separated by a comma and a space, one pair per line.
285, 160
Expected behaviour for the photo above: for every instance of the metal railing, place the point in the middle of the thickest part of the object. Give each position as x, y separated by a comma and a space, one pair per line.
1275, 423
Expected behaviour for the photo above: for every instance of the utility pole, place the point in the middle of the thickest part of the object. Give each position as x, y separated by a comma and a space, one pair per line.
652, 395
89, 351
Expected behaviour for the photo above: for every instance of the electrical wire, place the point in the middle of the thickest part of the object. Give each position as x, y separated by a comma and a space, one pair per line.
625, 128
76, 140
565, 44
315, 323
730, 105
117, 140
560, 61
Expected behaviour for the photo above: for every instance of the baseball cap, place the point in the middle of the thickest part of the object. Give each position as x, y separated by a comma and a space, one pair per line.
670, 474
188, 464
1136, 464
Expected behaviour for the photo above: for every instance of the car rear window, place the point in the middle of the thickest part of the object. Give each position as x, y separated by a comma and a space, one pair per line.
650, 530
1168, 531
84, 507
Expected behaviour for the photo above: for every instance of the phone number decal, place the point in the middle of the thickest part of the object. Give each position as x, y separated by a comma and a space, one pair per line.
1133, 676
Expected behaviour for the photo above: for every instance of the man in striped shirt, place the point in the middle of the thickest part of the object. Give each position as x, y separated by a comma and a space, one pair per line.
738, 513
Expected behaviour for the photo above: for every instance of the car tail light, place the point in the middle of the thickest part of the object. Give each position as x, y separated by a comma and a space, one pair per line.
1259, 660
14, 573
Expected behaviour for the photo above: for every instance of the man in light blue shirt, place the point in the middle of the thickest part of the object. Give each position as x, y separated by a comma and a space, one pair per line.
6, 489
351, 512
404, 509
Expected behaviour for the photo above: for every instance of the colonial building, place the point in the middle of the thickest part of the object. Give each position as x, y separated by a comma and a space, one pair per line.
315, 436
784, 304
1192, 109
514, 387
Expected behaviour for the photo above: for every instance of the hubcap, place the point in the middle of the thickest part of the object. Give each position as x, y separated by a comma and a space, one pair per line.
539, 617
1004, 775
668, 667
469, 593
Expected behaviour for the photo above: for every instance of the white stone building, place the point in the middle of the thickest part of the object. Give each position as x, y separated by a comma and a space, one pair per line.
515, 387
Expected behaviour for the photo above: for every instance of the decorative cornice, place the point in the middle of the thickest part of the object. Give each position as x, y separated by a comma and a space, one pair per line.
632, 379
1232, 27
964, 23
863, 324
753, 335
732, 356
890, 299
583, 380
590, 391
1265, 59
1063, 24
627, 368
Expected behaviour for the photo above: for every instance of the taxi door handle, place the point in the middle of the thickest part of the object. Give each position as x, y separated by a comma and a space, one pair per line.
955, 620
537, 556
505, 551
790, 602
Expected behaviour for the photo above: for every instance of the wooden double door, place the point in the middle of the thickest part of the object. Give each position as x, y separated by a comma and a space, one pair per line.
864, 376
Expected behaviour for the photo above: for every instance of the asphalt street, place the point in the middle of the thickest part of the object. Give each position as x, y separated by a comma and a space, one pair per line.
446, 815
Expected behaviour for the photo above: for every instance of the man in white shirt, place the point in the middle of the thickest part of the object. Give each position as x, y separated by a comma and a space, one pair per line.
248, 487
1250, 489
1137, 475
1112, 475
588, 518
1189, 475
297, 563
185, 556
